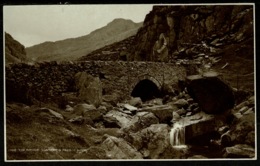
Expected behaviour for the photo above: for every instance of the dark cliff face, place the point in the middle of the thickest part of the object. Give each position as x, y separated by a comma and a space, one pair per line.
14, 51
191, 30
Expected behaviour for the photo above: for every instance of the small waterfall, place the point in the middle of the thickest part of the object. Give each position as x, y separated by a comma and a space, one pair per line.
177, 135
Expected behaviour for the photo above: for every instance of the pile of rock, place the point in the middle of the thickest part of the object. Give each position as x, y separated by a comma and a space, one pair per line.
239, 140
135, 129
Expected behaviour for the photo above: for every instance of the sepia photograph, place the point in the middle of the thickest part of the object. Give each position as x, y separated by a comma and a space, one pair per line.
129, 82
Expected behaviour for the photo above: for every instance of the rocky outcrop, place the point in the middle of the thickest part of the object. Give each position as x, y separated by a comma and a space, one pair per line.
151, 141
239, 151
190, 30
219, 37
198, 126
140, 121
242, 129
162, 112
213, 95
118, 148
89, 88
116, 119
14, 51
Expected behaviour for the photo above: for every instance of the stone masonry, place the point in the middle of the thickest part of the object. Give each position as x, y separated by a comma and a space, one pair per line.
51, 79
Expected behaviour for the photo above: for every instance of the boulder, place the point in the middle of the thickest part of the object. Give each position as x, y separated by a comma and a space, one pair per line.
251, 100
140, 121
69, 108
130, 107
118, 148
112, 98
157, 101
116, 132
77, 120
241, 105
181, 111
56, 114
239, 130
200, 124
102, 109
162, 112
51, 112
239, 151
249, 111
175, 117
136, 102
181, 103
81, 109
151, 141
94, 115
193, 106
116, 119
250, 138
243, 109
89, 88
74, 136
223, 129
212, 94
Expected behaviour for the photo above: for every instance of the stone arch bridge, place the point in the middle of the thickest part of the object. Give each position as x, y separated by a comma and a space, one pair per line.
51, 79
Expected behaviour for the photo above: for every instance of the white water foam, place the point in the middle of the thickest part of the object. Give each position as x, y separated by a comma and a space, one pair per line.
177, 136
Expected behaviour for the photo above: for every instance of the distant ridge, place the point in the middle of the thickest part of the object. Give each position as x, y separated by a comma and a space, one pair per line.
74, 48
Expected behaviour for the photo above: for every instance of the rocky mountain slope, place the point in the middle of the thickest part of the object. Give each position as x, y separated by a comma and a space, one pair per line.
202, 35
112, 52
71, 49
14, 51
191, 30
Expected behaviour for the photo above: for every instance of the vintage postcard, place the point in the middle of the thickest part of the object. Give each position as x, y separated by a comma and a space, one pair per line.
134, 82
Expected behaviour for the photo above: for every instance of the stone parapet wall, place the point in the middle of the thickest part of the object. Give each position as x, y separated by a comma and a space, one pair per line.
51, 79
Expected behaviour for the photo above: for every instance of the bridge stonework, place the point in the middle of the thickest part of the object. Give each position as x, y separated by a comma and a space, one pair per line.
52, 78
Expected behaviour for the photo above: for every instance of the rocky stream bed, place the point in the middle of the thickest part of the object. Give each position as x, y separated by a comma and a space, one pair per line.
175, 126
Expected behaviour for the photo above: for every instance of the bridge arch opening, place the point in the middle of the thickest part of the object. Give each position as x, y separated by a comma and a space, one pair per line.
146, 90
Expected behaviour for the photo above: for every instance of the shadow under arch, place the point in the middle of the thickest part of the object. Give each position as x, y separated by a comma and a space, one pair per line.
146, 90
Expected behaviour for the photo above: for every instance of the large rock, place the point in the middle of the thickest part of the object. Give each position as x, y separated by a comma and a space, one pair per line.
118, 148
162, 112
140, 121
201, 124
86, 113
51, 112
250, 138
239, 151
116, 119
212, 94
240, 131
89, 88
135, 101
81, 109
151, 141
181, 103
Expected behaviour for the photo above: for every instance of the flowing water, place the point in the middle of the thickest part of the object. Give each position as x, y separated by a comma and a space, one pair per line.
177, 135
177, 140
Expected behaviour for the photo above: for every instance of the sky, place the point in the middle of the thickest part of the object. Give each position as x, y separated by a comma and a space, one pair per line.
35, 24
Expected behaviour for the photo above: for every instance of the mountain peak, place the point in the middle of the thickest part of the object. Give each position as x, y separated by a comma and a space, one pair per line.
120, 21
